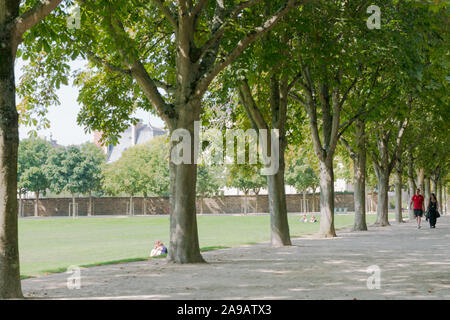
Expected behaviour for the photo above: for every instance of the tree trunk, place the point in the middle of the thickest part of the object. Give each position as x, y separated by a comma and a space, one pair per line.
304, 201
427, 191
313, 200
359, 194
359, 179
20, 204
435, 187
201, 204
445, 209
398, 197
421, 179
439, 196
36, 204
131, 212
144, 206
90, 204
327, 200
74, 205
9, 141
184, 243
278, 212
412, 187
382, 206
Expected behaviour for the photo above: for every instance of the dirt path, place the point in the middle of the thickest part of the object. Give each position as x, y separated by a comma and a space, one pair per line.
414, 264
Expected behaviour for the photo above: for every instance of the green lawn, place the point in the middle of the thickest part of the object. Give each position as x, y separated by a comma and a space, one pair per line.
53, 244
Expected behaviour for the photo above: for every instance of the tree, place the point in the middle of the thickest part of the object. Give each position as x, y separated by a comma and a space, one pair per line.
330, 66
140, 46
32, 157
209, 182
245, 178
15, 20
72, 170
301, 175
93, 162
142, 169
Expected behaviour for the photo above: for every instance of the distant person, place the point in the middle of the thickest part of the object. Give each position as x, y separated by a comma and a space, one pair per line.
304, 218
419, 206
313, 219
432, 211
159, 249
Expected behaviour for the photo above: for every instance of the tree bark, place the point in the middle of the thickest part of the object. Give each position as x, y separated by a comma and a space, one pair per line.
420, 179
184, 243
90, 204
304, 201
36, 204
9, 141
131, 212
327, 199
359, 196
276, 185
427, 191
278, 212
20, 204
74, 211
445, 209
313, 200
201, 204
245, 202
398, 196
412, 186
383, 187
144, 206
439, 196
359, 178
435, 186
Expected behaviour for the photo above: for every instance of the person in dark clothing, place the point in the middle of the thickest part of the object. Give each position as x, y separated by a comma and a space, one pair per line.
432, 211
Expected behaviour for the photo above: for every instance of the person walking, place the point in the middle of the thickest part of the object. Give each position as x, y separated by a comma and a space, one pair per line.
419, 207
432, 211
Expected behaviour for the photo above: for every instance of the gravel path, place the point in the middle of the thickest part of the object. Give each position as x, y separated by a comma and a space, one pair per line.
414, 264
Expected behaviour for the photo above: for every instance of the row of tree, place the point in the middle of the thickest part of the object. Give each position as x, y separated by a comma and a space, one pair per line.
43, 167
265, 64
141, 170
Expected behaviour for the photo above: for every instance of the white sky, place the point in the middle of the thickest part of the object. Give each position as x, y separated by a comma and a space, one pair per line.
63, 118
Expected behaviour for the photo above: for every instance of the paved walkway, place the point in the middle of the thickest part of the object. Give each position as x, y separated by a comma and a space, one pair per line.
414, 264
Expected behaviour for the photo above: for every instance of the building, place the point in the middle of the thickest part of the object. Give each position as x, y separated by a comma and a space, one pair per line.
135, 134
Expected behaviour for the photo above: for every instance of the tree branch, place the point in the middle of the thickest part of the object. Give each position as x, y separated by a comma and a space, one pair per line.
167, 13
92, 57
347, 146
148, 85
250, 106
244, 43
344, 97
30, 18
297, 98
199, 7
398, 142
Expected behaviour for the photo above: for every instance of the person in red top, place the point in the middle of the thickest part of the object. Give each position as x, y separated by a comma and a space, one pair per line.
419, 206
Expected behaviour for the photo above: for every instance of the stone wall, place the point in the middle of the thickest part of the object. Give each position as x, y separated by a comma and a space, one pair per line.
160, 205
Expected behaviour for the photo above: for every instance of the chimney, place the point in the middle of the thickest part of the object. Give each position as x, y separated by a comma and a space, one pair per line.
97, 137
134, 130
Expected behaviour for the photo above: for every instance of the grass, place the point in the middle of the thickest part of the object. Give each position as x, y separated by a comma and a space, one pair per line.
53, 244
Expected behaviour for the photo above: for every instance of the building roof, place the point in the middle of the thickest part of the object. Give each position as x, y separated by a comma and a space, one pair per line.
135, 134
